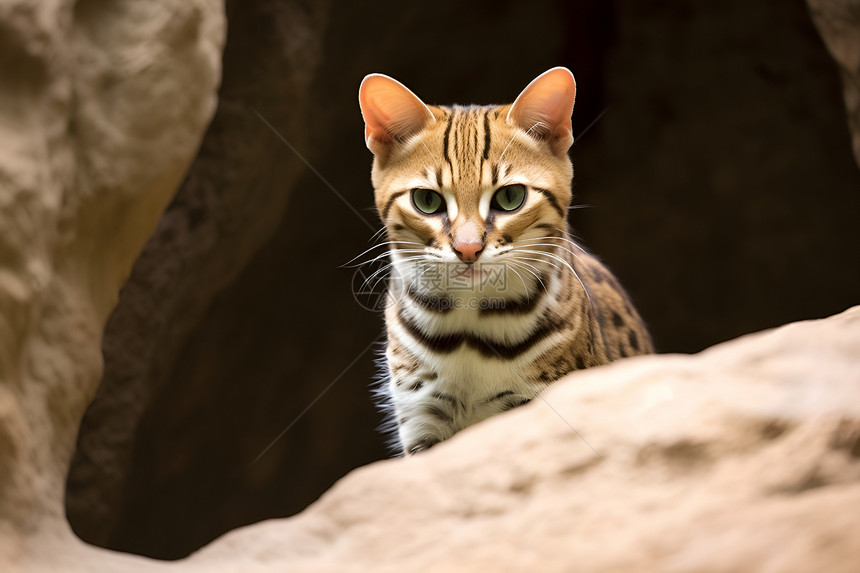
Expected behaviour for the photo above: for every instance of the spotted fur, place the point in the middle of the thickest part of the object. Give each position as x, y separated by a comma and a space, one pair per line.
471, 338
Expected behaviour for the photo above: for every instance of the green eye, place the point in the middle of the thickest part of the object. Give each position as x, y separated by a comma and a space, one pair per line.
509, 198
427, 201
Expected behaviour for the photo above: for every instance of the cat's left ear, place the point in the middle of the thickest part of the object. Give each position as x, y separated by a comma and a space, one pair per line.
391, 112
544, 108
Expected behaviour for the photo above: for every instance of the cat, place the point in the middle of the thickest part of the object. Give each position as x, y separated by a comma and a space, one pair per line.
491, 300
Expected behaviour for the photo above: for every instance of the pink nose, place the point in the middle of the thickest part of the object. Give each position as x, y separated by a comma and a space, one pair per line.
468, 252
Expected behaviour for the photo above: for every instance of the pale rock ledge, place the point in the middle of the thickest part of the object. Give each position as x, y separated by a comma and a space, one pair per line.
745, 457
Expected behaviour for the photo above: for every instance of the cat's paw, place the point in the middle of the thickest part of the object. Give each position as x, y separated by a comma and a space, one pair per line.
421, 445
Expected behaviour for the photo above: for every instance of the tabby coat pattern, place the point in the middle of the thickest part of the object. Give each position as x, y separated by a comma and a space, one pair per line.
490, 300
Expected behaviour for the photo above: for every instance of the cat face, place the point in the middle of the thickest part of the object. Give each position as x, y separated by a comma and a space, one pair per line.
474, 189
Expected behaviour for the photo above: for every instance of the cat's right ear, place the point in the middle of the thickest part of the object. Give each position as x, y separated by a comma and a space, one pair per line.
391, 112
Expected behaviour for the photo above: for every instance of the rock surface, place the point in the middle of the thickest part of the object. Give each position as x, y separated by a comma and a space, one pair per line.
745, 457
102, 108
229, 204
217, 343
721, 120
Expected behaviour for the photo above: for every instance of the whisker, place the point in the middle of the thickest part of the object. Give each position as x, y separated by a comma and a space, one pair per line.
422, 265
567, 236
584, 288
386, 268
552, 264
524, 266
421, 261
430, 265
530, 268
368, 279
552, 255
525, 288
346, 264
554, 238
555, 246
377, 234
385, 254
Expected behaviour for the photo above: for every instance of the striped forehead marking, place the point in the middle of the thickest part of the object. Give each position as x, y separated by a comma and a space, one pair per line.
466, 143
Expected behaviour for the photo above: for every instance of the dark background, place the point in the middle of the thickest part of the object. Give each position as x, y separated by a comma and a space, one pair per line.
721, 187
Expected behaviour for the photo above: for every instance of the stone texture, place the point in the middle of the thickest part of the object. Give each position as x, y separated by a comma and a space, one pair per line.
216, 345
102, 108
229, 204
742, 458
745, 457
839, 22
724, 196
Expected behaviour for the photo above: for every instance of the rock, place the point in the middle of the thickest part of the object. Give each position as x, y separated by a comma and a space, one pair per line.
838, 21
102, 108
223, 333
720, 121
229, 204
745, 457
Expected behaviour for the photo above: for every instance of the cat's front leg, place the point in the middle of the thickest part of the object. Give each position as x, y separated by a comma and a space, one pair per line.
424, 420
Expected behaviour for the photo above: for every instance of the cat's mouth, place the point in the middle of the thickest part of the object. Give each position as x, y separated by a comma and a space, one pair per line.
469, 271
